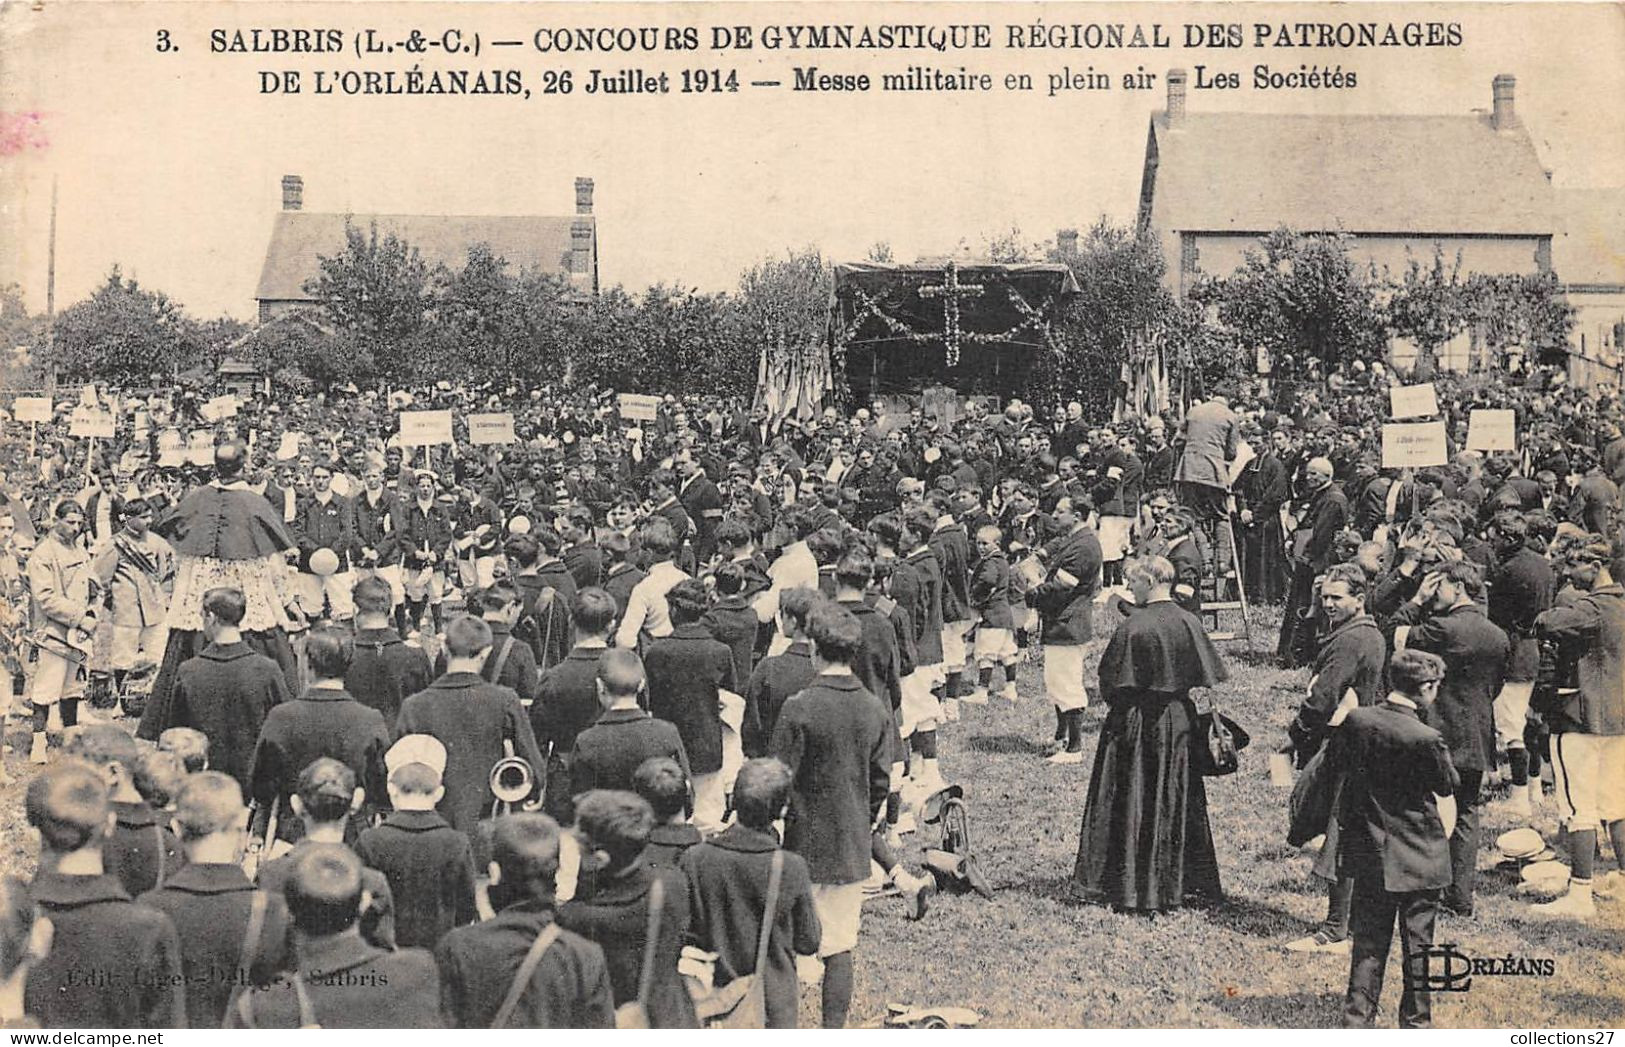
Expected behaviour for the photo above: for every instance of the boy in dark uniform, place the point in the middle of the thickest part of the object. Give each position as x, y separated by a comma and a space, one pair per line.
323, 721
545, 592
687, 673
663, 785
102, 939
569, 986
141, 851
732, 620
614, 909
778, 676
429, 865
608, 754
728, 879
342, 981
325, 799
511, 663
472, 718
222, 920
567, 701
621, 575
385, 668
990, 600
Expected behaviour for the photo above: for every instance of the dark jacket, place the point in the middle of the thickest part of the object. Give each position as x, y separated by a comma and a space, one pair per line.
585, 562
1186, 557
1326, 515
319, 723
472, 718
113, 964
990, 592
1388, 820
569, 989
620, 580
544, 623
430, 869
834, 738
1350, 659
616, 916
776, 678
377, 919
732, 621
378, 527
210, 906
1521, 587
1591, 629
952, 547
141, 852
686, 671
325, 526
880, 664
727, 877
928, 623
1065, 598
385, 670
567, 699
668, 842
226, 692
607, 754
1475, 655
350, 985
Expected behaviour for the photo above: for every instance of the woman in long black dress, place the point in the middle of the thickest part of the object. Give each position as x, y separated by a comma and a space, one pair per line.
1146, 844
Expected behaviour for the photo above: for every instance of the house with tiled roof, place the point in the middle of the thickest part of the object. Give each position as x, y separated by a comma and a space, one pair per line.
1213, 183
1589, 258
567, 244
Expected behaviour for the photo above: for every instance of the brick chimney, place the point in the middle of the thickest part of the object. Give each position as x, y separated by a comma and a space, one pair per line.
1176, 97
1505, 118
583, 196
581, 247
1066, 242
293, 192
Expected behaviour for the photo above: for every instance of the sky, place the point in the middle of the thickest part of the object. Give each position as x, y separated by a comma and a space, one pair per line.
168, 163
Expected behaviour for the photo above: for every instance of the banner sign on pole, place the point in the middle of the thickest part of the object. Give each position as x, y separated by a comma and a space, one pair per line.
91, 421
1492, 430
495, 428
1413, 401
200, 449
423, 428
32, 409
221, 407
639, 407
1414, 445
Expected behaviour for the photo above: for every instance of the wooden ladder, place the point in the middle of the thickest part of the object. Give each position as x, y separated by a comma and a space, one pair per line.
1236, 600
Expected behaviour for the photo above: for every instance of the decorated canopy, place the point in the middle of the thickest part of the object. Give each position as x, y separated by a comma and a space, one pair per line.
975, 327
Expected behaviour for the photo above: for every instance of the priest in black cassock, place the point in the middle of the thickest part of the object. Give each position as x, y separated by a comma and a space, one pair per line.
1146, 845
225, 536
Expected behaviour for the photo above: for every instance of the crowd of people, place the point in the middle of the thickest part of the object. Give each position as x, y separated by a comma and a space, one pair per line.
622, 721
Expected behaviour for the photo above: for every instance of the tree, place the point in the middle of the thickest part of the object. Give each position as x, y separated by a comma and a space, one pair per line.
1428, 306
377, 292
782, 309
22, 340
475, 321
1299, 296
1527, 312
124, 335
880, 252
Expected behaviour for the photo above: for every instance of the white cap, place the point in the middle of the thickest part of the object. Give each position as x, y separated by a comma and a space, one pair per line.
416, 748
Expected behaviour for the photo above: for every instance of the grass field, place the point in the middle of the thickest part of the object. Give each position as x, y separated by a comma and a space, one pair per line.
1035, 956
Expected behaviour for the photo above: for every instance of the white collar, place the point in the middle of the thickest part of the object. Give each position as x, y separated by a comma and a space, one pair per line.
1395, 698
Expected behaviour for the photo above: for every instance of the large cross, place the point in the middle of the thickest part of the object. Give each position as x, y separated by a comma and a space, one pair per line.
951, 291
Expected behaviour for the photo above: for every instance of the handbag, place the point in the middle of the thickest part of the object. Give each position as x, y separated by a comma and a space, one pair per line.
1219, 747
634, 1014
742, 1003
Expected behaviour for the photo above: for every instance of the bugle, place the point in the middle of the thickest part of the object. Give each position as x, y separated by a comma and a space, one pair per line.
512, 779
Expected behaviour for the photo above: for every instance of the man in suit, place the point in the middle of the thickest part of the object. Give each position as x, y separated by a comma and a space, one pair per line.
378, 529
1324, 514
1444, 618
701, 500
1394, 817
1065, 602
1203, 474
582, 556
